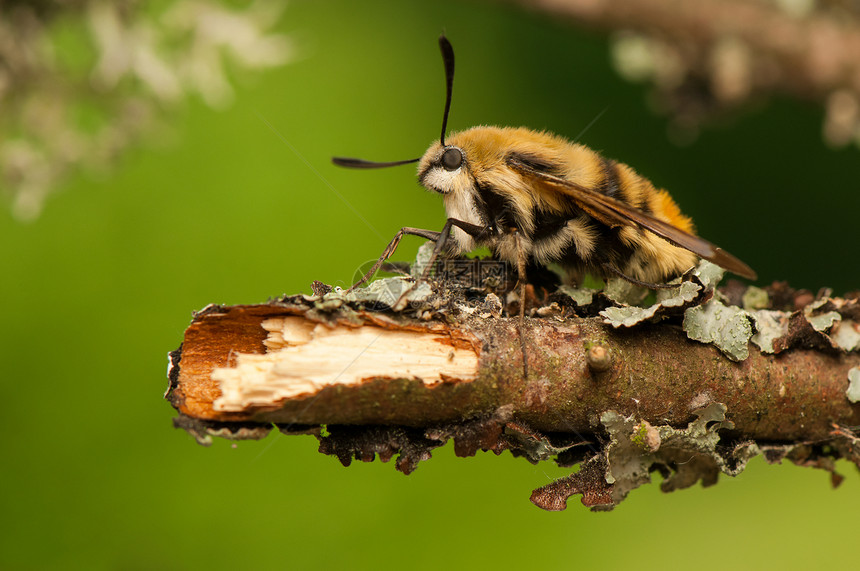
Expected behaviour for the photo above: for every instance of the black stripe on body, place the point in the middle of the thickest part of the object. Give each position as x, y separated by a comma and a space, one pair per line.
609, 186
609, 248
493, 208
537, 163
547, 224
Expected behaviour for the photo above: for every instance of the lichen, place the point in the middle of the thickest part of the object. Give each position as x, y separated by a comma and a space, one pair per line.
727, 327
755, 298
630, 315
825, 321
846, 335
630, 460
623, 292
393, 292
709, 274
770, 325
580, 296
853, 390
422, 258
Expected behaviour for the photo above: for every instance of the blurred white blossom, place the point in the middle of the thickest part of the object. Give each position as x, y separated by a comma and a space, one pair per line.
127, 68
708, 60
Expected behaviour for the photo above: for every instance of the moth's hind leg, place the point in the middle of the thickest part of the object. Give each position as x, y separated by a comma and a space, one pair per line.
522, 264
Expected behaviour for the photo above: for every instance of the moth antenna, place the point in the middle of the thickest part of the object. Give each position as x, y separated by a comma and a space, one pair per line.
363, 164
448, 60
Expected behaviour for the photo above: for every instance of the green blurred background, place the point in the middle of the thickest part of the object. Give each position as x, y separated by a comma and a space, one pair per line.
223, 208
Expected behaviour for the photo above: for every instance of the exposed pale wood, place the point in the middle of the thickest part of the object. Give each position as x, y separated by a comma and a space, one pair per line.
305, 357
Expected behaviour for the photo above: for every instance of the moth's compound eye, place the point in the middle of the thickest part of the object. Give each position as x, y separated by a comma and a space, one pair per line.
452, 158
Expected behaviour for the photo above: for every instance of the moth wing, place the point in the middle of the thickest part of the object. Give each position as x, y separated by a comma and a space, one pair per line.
614, 213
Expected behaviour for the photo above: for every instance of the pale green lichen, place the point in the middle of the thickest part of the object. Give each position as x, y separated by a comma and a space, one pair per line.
623, 292
727, 327
390, 291
422, 258
677, 297
633, 453
755, 298
770, 325
709, 274
581, 296
628, 316
824, 321
853, 391
846, 334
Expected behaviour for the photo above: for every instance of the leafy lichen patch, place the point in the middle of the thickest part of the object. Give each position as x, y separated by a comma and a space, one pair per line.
769, 325
846, 334
727, 327
623, 292
824, 321
393, 292
637, 448
422, 258
580, 296
630, 315
755, 298
630, 463
853, 391
709, 274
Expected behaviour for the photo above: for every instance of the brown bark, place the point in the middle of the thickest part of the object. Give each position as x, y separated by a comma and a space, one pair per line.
656, 373
622, 401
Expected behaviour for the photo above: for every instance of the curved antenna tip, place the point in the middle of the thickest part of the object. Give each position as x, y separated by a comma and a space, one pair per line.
351, 163
448, 60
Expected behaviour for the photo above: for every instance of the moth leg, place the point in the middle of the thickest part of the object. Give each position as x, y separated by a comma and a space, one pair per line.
445, 235
441, 241
395, 267
392, 246
521, 275
615, 271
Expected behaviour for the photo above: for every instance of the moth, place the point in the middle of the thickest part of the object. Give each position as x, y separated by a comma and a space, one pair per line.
532, 197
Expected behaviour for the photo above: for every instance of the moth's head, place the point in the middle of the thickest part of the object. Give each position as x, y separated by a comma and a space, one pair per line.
444, 169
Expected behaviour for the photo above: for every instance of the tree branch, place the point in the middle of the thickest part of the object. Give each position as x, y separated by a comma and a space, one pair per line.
710, 56
621, 396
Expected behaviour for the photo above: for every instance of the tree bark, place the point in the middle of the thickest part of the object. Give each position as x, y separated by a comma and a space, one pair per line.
654, 372
555, 385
